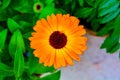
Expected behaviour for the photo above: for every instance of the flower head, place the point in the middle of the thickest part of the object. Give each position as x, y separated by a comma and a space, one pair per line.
58, 40
37, 7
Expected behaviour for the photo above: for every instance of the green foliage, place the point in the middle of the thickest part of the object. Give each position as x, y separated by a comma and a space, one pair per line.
48, 10
17, 18
81, 2
18, 63
16, 42
37, 68
3, 35
83, 12
12, 25
5, 70
5, 4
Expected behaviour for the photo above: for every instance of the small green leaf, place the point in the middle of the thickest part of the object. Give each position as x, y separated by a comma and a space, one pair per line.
108, 9
40, 69
81, 2
5, 70
26, 26
110, 16
5, 4
59, 10
3, 15
36, 67
67, 1
18, 63
92, 15
115, 48
73, 5
105, 43
23, 6
83, 12
3, 35
48, 1
89, 2
12, 25
27, 35
106, 29
106, 3
48, 10
53, 76
16, 42
3, 67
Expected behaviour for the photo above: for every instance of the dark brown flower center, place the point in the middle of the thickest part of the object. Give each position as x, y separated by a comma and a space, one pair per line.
38, 7
57, 40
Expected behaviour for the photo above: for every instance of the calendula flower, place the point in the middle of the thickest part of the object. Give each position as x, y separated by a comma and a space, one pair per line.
37, 7
58, 40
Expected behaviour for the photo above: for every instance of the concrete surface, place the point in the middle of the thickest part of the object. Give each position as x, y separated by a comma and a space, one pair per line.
95, 64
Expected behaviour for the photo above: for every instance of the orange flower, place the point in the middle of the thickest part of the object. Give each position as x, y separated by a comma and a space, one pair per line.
58, 40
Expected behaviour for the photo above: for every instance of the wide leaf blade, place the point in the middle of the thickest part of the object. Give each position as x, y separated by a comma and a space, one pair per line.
12, 25
16, 42
3, 35
18, 63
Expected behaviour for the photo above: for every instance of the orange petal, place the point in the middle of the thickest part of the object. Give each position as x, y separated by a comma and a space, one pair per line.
72, 54
67, 58
52, 58
60, 57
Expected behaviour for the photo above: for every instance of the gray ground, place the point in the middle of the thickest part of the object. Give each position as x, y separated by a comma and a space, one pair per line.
95, 64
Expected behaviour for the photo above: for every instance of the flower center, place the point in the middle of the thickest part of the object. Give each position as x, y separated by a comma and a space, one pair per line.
57, 40
38, 7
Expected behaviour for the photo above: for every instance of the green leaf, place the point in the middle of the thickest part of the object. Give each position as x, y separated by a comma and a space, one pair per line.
3, 67
26, 26
40, 69
89, 2
110, 16
97, 3
95, 24
115, 48
59, 10
12, 25
105, 43
73, 5
25, 17
36, 67
3, 15
67, 1
53, 76
3, 36
48, 10
108, 9
23, 6
83, 12
106, 3
18, 63
92, 15
81, 2
27, 35
5, 70
48, 1
16, 42
5, 4
106, 29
